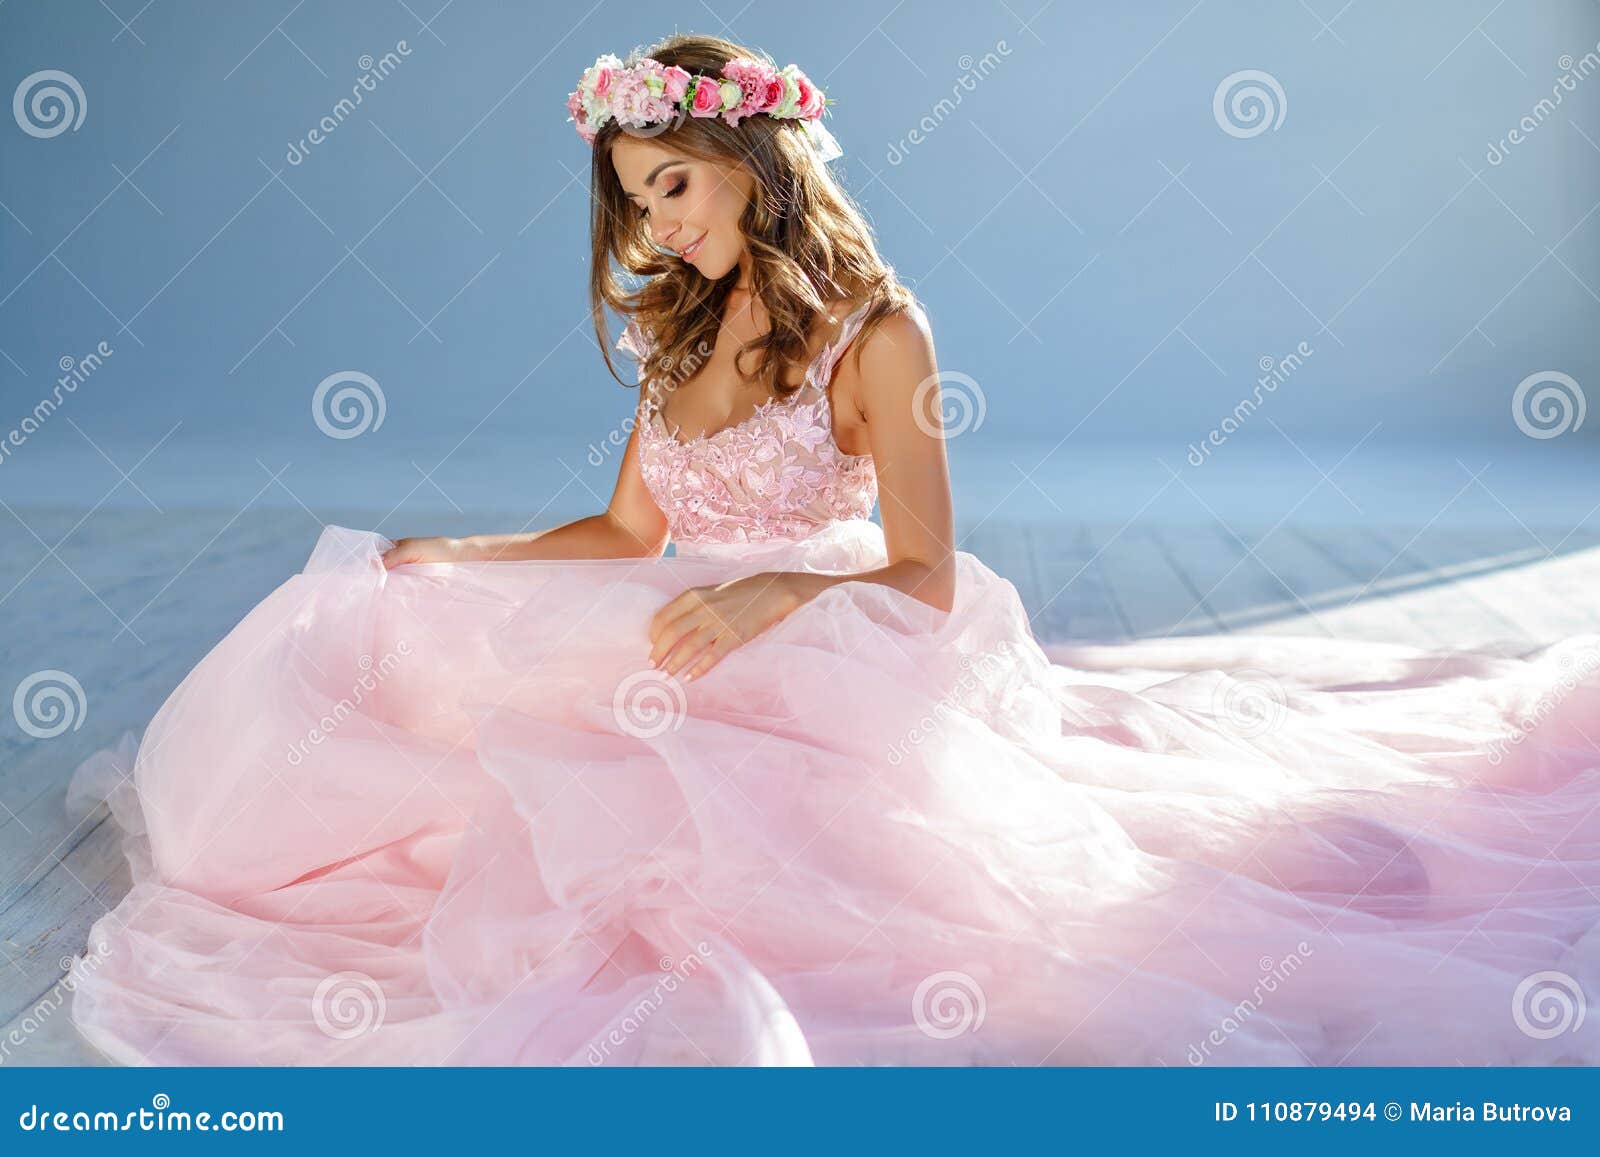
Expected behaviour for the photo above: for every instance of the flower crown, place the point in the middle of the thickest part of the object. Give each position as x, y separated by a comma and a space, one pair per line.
649, 93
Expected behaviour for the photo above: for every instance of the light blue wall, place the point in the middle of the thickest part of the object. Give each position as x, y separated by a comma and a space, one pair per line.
1097, 253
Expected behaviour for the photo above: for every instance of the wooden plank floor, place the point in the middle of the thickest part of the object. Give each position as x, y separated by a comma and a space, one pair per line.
129, 601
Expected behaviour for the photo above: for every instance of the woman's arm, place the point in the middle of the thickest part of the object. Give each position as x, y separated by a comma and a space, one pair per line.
898, 396
632, 526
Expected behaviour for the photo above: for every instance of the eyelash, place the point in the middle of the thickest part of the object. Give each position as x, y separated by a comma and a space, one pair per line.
675, 191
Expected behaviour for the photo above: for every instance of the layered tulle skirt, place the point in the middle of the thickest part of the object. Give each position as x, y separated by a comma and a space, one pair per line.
448, 814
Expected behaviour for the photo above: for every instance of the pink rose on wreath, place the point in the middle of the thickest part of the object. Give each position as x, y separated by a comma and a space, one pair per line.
676, 84
632, 102
811, 98
707, 98
755, 80
774, 94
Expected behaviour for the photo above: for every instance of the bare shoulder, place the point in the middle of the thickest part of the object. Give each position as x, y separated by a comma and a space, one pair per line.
895, 357
902, 333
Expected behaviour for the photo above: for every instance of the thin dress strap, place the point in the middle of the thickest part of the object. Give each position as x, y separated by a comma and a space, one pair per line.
637, 341
634, 340
823, 366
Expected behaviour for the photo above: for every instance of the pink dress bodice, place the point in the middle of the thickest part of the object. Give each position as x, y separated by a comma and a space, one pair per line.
778, 474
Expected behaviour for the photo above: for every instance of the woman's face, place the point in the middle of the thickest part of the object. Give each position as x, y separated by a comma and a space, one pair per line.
688, 204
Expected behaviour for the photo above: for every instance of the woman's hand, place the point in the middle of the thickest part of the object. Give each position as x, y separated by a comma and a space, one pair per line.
695, 630
408, 550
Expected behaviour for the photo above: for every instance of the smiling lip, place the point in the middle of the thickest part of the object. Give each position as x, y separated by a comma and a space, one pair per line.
689, 253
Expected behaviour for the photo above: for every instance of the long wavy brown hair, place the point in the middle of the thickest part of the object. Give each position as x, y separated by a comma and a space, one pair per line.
810, 245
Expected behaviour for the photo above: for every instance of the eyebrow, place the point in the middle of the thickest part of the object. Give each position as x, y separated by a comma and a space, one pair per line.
651, 179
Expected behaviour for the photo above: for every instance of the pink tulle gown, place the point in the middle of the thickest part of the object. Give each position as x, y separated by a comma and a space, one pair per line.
448, 814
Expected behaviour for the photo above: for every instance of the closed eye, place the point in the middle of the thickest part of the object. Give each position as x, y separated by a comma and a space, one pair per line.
675, 191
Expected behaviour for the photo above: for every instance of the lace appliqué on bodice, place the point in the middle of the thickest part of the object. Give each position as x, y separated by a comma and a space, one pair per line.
776, 474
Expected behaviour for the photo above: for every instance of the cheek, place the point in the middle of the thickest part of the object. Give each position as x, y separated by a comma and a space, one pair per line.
724, 206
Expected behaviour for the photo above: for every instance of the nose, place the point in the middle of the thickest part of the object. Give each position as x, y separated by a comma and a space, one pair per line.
663, 232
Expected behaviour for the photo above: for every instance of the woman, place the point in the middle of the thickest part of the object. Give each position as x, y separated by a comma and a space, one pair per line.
809, 791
